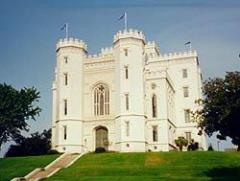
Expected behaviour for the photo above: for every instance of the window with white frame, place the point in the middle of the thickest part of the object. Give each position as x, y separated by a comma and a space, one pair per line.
187, 116
185, 91
65, 106
184, 73
126, 52
127, 128
154, 106
64, 132
188, 137
155, 133
65, 78
127, 101
65, 59
126, 71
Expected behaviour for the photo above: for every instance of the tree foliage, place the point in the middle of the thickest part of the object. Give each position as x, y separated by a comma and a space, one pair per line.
221, 107
181, 142
16, 107
37, 144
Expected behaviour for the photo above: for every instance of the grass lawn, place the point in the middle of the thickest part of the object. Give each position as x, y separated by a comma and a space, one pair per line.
153, 166
20, 166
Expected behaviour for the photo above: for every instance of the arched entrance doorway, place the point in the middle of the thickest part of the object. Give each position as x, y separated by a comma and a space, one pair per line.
101, 136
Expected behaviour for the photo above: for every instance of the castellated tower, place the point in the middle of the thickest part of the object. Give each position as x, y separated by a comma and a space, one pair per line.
130, 118
68, 96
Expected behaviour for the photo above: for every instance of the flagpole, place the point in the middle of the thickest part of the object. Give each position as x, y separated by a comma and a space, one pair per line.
190, 46
125, 20
66, 30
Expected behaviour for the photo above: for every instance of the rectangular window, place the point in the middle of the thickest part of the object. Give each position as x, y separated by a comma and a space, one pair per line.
187, 116
185, 92
65, 79
126, 52
188, 137
127, 128
126, 72
65, 106
184, 73
66, 60
155, 133
64, 132
127, 101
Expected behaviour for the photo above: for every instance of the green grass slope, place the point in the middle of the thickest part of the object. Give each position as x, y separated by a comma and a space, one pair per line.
20, 166
153, 166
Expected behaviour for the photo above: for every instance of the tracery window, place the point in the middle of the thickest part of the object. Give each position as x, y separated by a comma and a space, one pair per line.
101, 100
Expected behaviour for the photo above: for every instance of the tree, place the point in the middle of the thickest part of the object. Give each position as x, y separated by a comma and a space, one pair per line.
16, 107
36, 144
181, 142
221, 108
193, 146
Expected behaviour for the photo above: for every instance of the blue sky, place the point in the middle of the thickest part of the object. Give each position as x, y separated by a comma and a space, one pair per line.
29, 30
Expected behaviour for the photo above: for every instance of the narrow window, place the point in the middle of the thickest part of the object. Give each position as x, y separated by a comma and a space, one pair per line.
126, 52
65, 106
184, 73
101, 104
64, 132
66, 60
185, 92
188, 137
154, 106
155, 133
187, 115
126, 72
127, 101
65, 79
127, 128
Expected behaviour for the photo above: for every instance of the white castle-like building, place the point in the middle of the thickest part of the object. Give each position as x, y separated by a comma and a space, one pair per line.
129, 98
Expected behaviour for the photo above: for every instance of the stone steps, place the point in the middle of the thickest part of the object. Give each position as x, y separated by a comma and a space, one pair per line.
63, 161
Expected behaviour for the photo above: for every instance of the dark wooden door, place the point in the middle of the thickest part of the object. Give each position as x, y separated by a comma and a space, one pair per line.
102, 138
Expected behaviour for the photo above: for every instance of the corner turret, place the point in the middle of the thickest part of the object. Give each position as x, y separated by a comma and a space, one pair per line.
130, 33
71, 42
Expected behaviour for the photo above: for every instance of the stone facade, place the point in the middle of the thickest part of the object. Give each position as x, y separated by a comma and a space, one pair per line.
128, 98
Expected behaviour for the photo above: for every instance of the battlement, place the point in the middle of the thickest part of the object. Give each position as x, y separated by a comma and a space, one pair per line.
71, 42
179, 55
171, 56
105, 55
130, 33
107, 50
152, 45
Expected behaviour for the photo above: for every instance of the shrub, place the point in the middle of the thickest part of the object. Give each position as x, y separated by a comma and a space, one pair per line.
210, 148
100, 150
52, 152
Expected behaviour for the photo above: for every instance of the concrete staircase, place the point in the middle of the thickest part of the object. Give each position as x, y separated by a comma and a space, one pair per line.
63, 161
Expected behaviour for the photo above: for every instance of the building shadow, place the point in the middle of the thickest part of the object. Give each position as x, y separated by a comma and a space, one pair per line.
224, 173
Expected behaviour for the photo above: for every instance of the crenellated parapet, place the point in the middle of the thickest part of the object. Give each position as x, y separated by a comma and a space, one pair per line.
105, 55
71, 42
130, 33
107, 50
152, 45
178, 55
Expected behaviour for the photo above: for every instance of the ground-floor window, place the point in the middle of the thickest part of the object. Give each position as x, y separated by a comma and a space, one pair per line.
155, 133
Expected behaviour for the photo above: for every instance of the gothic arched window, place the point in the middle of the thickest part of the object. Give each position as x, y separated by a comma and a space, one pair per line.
154, 106
101, 100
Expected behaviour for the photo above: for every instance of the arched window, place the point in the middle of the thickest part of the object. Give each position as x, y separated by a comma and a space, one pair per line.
101, 100
154, 106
